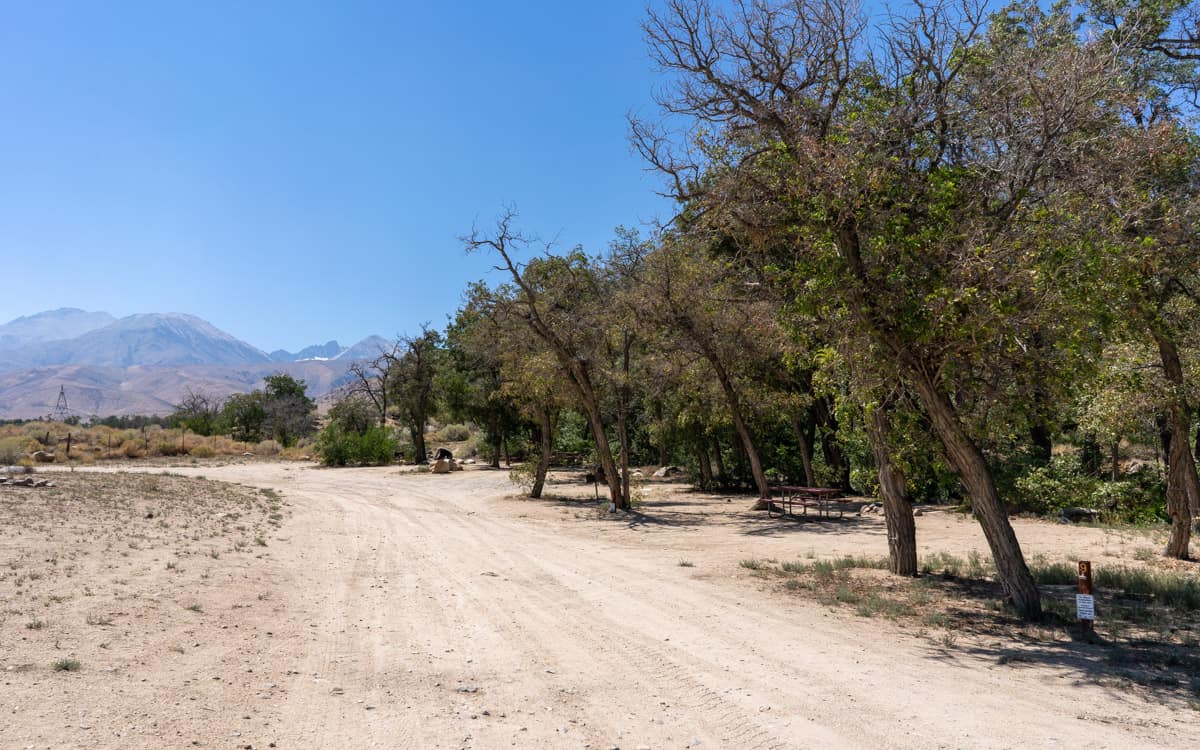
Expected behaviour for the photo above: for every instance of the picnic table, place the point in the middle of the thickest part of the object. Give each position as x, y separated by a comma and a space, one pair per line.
823, 499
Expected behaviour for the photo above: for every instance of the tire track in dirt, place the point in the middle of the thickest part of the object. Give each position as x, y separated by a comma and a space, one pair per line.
567, 642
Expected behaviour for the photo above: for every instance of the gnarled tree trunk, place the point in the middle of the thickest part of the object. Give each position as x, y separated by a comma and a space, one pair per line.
898, 512
805, 450
420, 453
976, 476
719, 460
546, 430
706, 473
743, 432
1183, 484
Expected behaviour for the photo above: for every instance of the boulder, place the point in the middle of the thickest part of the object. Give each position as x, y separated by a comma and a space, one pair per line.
668, 471
42, 457
441, 466
1075, 515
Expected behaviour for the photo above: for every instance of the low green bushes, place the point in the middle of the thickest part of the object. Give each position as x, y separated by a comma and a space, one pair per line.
338, 446
1046, 490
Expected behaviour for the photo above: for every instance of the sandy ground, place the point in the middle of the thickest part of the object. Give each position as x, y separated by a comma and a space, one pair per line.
419, 611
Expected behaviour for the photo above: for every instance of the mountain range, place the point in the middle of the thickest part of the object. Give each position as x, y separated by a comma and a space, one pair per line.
145, 363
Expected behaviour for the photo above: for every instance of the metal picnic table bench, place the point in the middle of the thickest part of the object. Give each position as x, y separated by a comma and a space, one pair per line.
787, 497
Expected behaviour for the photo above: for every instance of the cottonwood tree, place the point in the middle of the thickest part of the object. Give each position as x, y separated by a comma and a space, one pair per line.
915, 180
720, 317
1146, 195
412, 368
552, 296
289, 413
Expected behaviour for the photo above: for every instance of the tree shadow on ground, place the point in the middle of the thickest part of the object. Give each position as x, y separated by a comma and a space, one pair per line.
1119, 657
777, 526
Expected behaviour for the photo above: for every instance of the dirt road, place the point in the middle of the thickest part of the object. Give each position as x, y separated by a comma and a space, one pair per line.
430, 612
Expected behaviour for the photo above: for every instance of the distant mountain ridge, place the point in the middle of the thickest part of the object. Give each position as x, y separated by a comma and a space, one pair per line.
51, 325
328, 350
144, 363
143, 339
368, 348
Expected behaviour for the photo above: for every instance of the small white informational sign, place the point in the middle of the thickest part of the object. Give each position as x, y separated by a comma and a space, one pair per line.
1085, 607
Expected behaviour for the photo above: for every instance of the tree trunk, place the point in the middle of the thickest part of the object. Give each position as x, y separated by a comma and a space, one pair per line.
805, 451
546, 428
609, 466
1091, 458
743, 432
418, 438
1043, 445
494, 458
663, 453
1183, 484
706, 475
834, 457
976, 476
719, 460
1116, 460
898, 512
1041, 407
623, 437
623, 415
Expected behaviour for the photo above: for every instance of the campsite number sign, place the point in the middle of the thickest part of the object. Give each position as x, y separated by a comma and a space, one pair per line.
1085, 603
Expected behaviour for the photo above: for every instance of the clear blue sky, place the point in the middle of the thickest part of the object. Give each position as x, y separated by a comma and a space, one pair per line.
299, 171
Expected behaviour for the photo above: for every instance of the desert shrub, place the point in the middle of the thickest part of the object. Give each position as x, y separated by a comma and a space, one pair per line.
267, 448
377, 447
452, 433
226, 446
132, 449
12, 448
338, 446
524, 475
202, 451
169, 448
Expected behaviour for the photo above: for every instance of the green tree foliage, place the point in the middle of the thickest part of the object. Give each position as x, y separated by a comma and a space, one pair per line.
289, 413
353, 436
197, 412
411, 374
282, 411
244, 416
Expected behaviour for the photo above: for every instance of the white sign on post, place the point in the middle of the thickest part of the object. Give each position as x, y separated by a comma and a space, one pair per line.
1085, 607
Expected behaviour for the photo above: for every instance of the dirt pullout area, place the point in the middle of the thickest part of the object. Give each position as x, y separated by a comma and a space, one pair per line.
411, 610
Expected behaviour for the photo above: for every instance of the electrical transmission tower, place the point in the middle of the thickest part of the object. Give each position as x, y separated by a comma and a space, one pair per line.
60, 409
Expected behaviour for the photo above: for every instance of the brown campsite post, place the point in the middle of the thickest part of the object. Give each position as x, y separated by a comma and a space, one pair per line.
1084, 603
68, 445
